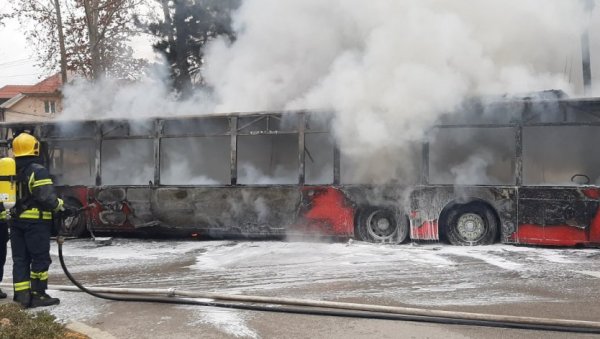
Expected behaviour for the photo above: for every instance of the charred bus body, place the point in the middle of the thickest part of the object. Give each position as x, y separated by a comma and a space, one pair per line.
519, 171
258, 175
493, 172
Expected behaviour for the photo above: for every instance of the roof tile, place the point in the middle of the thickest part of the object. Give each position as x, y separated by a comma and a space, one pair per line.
48, 85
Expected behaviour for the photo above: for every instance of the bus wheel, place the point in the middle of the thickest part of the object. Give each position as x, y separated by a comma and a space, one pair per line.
376, 224
73, 226
471, 225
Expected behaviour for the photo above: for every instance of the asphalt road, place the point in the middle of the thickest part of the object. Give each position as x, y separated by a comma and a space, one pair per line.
499, 279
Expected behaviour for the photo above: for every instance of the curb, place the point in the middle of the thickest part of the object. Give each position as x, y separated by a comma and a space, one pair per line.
91, 332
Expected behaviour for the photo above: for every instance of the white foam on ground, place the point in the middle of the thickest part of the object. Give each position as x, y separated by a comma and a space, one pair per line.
74, 306
591, 273
421, 275
230, 322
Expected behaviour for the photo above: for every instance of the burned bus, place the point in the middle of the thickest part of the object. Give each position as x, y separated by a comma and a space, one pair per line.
265, 174
523, 171
520, 171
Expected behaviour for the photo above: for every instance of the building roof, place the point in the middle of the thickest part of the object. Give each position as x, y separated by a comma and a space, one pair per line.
10, 91
49, 85
10, 102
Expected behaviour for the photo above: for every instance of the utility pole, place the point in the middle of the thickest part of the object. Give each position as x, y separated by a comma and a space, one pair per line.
585, 50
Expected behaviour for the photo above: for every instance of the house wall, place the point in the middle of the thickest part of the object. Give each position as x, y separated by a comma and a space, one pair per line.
32, 109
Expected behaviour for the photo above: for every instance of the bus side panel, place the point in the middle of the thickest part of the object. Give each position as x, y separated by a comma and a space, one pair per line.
429, 202
558, 216
196, 211
217, 211
228, 211
325, 211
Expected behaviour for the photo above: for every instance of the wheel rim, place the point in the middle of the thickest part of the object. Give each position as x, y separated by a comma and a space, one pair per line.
380, 226
471, 227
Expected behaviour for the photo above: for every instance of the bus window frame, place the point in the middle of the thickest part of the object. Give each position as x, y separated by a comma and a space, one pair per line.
157, 134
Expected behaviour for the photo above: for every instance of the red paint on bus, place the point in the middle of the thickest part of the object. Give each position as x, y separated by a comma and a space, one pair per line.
327, 211
591, 193
595, 228
553, 235
428, 230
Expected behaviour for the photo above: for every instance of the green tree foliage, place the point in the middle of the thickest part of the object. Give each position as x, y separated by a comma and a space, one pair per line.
96, 32
185, 28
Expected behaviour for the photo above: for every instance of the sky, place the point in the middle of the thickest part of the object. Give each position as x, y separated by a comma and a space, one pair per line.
17, 65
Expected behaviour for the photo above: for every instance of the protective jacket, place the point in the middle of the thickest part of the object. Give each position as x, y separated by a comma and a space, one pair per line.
37, 197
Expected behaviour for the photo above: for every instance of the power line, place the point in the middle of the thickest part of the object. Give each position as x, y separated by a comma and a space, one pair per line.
15, 61
13, 66
20, 75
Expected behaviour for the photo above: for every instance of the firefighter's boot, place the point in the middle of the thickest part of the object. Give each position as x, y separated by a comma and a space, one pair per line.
41, 299
23, 298
2, 295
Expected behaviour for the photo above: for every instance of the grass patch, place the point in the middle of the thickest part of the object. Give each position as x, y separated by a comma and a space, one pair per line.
15, 323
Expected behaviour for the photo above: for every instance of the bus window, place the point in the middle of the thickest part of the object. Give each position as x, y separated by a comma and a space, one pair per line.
68, 129
267, 159
127, 162
318, 160
267, 122
72, 162
196, 126
400, 164
472, 156
195, 161
114, 128
552, 155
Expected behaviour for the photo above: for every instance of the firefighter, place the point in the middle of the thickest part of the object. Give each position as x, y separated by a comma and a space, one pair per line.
3, 241
31, 223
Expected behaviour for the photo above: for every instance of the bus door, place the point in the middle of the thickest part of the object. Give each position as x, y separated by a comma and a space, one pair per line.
558, 204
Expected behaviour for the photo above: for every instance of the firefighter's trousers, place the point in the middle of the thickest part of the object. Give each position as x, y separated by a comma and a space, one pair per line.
30, 243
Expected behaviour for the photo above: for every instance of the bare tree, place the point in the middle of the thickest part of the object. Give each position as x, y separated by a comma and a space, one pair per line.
88, 37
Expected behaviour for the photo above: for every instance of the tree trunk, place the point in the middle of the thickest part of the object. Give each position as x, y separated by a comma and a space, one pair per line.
61, 42
169, 24
183, 81
91, 17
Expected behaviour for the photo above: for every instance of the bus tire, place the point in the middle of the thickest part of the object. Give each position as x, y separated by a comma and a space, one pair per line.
378, 224
471, 225
73, 226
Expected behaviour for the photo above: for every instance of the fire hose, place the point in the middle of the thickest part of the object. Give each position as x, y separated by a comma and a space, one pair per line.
326, 308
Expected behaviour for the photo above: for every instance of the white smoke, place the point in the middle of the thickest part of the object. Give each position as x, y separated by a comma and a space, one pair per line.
150, 96
389, 68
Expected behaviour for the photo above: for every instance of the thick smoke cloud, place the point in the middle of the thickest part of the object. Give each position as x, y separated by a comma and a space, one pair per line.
390, 58
389, 68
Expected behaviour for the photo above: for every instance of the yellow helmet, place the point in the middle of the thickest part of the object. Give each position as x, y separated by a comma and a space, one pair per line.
25, 145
